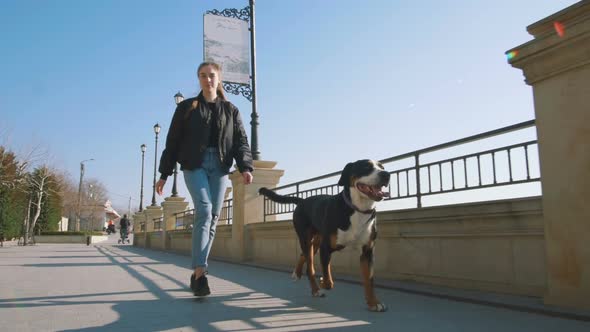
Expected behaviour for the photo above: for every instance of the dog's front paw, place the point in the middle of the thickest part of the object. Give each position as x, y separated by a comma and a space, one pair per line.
325, 284
379, 307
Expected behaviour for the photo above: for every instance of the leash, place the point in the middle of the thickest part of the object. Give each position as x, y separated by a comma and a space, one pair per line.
348, 202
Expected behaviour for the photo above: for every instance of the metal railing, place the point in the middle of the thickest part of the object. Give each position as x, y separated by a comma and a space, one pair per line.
184, 219
498, 166
227, 212
158, 223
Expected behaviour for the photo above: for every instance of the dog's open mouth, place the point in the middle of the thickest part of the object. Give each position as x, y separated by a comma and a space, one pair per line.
376, 192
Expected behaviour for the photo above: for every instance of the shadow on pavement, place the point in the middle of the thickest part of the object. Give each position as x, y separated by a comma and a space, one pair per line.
246, 298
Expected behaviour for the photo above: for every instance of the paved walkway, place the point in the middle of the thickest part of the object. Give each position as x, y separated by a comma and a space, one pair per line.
110, 287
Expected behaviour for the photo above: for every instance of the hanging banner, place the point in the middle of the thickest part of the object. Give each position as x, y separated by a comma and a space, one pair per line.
226, 42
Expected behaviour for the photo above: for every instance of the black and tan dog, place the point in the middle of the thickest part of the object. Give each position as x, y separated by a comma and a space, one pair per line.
331, 223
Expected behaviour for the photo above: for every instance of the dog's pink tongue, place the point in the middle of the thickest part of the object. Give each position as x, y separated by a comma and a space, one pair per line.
380, 193
364, 188
374, 191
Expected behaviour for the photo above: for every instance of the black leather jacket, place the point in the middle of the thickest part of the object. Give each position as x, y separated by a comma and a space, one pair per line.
188, 137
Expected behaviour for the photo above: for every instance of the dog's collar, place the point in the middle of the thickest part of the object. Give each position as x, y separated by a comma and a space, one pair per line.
349, 203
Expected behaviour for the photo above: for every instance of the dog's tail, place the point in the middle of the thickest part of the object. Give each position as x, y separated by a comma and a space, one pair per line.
279, 198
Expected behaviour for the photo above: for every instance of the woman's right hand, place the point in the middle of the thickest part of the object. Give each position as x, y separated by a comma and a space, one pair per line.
160, 186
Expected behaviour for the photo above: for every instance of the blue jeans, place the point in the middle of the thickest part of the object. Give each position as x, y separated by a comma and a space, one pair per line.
207, 188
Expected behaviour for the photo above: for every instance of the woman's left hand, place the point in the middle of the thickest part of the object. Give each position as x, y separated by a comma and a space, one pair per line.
248, 177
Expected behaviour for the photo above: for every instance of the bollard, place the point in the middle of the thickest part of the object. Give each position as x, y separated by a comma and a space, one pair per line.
88, 240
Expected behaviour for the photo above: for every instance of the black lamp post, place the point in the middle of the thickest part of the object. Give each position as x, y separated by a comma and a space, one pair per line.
156, 131
254, 123
178, 98
247, 90
143, 148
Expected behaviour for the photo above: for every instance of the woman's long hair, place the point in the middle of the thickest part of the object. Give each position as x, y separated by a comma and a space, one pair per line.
220, 91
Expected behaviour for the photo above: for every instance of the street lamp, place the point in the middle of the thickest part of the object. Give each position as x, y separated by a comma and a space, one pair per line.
80, 192
143, 148
178, 98
90, 197
156, 131
247, 90
254, 123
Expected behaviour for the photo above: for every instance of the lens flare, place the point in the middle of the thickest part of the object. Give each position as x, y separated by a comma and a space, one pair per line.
512, 54
559, 28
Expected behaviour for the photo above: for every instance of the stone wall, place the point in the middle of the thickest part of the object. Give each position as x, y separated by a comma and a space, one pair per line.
490, 246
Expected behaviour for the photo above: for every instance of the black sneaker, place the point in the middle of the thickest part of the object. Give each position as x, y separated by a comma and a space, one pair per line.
201, 286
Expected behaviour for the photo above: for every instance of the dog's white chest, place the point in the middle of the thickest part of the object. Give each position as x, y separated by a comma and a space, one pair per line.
359, 232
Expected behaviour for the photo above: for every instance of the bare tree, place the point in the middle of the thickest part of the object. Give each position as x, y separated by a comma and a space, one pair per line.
38, 183
93, 204
69, 194
19, 164
26, 222
14, 176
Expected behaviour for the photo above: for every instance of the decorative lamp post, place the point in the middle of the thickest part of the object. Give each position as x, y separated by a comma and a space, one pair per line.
80, 192
143, 148
247, 90
178, 98
156, 131
254, 123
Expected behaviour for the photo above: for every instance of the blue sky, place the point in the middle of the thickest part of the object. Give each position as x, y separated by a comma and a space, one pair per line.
338, 80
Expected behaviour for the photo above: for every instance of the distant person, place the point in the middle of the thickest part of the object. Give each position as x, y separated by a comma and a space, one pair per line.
124, 224
205, 136
111, 227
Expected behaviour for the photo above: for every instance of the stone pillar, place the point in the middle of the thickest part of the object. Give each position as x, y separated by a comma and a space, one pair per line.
171, 205
135, 220
556, 63
138, 218
248, 205
151, 212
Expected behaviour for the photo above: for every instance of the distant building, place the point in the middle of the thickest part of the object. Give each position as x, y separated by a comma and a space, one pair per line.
110, 213
62, 225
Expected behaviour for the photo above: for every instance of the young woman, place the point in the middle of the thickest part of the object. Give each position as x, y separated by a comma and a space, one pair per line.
206, 135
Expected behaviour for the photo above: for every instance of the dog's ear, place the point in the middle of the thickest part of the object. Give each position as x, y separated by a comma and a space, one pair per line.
345, 175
